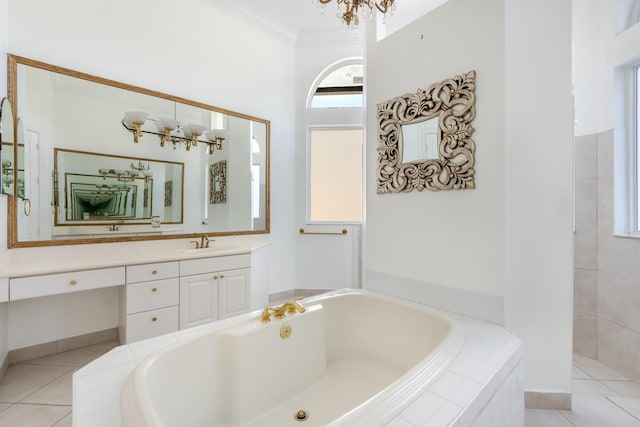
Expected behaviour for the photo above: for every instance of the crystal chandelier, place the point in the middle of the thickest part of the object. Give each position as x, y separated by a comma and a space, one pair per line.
351, 7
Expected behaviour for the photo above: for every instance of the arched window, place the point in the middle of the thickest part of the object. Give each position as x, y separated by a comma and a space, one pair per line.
339, 86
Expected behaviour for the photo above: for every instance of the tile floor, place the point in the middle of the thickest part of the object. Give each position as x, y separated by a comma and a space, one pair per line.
600, 398
38, 393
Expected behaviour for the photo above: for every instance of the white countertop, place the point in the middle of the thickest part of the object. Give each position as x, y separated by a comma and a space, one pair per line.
60, 259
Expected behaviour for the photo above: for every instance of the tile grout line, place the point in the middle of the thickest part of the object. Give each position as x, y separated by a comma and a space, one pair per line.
633, 416
21, 401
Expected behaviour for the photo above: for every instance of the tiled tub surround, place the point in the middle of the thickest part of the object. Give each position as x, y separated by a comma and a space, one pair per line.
482, 386
607, 271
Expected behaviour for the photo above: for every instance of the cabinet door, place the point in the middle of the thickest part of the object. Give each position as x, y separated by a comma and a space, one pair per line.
234, 292
198, 299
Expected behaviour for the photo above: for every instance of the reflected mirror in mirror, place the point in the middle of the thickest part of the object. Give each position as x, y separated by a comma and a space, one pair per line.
420, 141
120, 190
69, 111
8, 141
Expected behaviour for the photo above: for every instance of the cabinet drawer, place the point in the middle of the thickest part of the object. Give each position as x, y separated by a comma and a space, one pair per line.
146, 272
52, 284
206, 265
152, 323
152, 295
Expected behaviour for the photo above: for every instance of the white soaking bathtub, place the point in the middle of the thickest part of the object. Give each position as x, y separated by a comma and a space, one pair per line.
353, 358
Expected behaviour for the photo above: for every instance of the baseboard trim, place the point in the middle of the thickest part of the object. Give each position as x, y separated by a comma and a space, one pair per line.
539, 400
59, 346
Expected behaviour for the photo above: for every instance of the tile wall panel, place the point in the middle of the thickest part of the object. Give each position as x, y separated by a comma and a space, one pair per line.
618, 348
584, 334
619, 300
584, 291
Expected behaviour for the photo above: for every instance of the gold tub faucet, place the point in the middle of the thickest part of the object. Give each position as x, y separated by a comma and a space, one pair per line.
290, 306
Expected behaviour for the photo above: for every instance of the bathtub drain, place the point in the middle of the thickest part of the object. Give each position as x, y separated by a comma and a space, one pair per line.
301, 415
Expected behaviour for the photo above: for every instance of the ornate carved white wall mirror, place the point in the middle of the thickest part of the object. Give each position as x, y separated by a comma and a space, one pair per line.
93, 171
424, 138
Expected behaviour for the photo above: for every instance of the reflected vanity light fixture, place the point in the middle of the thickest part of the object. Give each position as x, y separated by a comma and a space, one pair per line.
7, 168
349, 16
216, 137
169, 130
127, 175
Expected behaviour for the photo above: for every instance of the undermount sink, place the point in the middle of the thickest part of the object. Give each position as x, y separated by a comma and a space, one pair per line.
211, 248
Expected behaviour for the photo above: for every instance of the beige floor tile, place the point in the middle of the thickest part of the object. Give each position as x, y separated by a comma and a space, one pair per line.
629, 404
545, 418
4, 406
22, 380
33, 415
591, 388
65, 422
579, 374
57, 392
598, 411
624, 388
596, 369
75, 358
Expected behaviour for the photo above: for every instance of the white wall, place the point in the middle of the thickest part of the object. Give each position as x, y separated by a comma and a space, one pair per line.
188, 49
510, 238
539, 171
451, 238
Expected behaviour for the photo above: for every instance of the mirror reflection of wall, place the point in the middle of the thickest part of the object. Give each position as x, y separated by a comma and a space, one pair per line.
8, 143
67, 110
420, 141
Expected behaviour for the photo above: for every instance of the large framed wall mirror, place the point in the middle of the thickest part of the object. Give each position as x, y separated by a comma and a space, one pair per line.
107, 161
424, 138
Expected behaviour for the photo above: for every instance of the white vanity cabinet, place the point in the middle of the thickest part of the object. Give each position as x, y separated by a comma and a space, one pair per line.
213, 288
151, 301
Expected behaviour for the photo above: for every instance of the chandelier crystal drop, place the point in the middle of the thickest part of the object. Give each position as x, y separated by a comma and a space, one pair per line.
352, 8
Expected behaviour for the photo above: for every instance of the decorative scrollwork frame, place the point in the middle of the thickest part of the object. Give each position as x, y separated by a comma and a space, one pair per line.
452, 101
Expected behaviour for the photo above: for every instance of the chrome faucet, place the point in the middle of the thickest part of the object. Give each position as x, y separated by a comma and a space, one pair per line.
290, 307
203, 243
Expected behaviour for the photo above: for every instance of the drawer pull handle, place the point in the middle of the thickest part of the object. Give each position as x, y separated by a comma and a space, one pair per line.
73, 283
154, 318
222, 276
215, 277
154, 289
154, 272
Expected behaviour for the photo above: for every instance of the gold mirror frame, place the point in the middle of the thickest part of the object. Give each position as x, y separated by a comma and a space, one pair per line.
13, 202
452, 101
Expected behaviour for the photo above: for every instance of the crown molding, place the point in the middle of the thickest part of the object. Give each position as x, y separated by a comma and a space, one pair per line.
289, 35
286, 34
